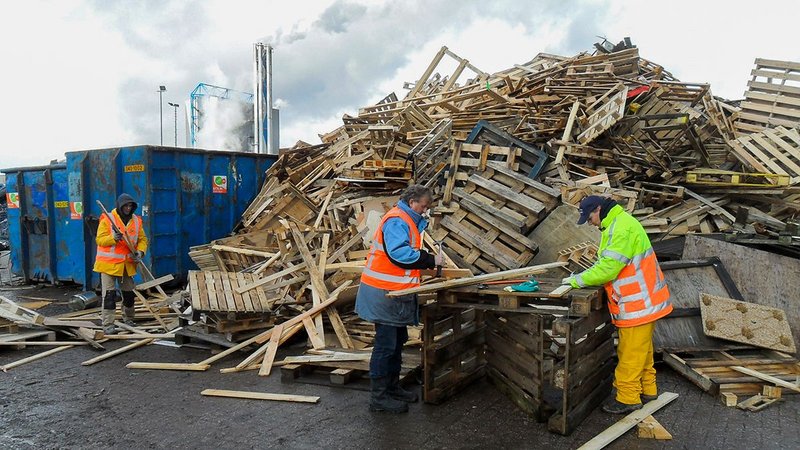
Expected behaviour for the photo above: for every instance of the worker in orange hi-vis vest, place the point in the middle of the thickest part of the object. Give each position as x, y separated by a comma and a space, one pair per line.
116, 263
394, 263
637, 297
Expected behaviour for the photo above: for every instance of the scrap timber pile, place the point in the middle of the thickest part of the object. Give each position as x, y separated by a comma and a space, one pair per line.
501, 151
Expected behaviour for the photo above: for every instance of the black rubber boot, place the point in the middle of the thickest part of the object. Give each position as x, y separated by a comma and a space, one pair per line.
648, 398
380, 401
614, 407
397, 392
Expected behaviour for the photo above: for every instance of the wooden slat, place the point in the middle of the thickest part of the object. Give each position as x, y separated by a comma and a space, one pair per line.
260, 396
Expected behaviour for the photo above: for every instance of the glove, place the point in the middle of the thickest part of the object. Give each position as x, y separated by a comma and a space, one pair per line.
117, 235
567, 281
138, 255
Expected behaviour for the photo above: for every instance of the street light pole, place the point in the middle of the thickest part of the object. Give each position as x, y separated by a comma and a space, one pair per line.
175, 107
161, 90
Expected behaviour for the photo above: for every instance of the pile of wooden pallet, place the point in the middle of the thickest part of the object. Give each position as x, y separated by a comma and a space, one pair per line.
500, 151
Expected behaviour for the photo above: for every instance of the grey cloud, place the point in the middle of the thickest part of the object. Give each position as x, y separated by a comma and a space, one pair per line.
335, 65
335, 18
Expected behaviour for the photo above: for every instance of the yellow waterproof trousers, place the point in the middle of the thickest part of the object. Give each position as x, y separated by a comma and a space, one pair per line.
635, 374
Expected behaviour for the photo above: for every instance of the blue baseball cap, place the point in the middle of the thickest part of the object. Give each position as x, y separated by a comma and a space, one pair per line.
589, 204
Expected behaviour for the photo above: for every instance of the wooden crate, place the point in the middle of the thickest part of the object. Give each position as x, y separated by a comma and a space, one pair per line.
452, 351
530, 355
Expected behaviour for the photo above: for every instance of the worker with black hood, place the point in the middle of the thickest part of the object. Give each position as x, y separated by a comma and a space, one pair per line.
116, 263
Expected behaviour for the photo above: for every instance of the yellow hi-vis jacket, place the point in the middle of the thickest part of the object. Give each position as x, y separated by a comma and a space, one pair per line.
627, 267
114, 258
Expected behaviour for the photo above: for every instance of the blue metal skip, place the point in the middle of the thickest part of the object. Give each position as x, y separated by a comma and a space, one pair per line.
186, 197
38, 217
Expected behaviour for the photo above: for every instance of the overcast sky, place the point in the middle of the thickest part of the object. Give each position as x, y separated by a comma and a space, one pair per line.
84, 74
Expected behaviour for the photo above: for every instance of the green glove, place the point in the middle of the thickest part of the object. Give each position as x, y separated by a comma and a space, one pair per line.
528, 286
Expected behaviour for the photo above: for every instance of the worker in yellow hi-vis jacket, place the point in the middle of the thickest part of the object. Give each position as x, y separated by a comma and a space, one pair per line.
637, 297
116, 263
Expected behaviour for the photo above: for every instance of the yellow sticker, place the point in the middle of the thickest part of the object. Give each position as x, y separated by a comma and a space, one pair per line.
134, 168
61, 204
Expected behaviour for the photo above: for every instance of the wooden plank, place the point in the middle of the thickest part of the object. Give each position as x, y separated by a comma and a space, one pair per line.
247, 299
505, 275
199, 367
154, 283
768, 378
313, 335
35, 357
260, 396
272, 350
273, 277
618, 429
193, 289
116, 352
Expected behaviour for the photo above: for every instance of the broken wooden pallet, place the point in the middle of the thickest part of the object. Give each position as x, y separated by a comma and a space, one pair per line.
713, 371
771, 150
772, 97
217, 291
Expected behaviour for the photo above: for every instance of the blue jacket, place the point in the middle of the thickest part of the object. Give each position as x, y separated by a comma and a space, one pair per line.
371, 303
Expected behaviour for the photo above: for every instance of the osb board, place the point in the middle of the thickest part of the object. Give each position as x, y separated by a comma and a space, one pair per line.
685, 286
762, 277
745, 322
560, 230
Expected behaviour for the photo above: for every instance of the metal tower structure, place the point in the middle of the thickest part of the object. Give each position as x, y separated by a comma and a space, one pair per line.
209, 90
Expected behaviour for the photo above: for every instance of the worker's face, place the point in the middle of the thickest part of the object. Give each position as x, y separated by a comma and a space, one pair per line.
420, 206
127, 208
594, 217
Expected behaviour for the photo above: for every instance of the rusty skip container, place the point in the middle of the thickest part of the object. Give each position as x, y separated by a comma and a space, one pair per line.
186, 197
38, 223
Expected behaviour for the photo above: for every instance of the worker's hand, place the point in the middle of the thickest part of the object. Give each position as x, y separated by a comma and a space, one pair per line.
567, 281
138, 255
438, 259
117, 235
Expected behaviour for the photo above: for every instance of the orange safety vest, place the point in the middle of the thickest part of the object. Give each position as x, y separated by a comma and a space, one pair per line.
120, 252
379, 272
639, 294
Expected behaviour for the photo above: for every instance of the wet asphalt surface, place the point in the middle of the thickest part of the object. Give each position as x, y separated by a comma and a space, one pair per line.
57, 403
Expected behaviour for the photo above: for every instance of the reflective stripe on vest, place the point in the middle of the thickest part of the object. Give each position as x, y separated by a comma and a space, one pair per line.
639, 294
119, 252
379, 272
